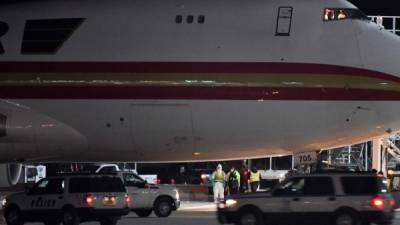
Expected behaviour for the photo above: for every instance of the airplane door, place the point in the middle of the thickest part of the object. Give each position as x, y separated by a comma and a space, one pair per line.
284, 21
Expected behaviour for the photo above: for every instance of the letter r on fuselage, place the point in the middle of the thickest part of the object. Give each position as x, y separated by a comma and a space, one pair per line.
3, 31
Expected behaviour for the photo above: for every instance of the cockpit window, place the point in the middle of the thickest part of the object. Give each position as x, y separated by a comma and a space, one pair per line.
333, 14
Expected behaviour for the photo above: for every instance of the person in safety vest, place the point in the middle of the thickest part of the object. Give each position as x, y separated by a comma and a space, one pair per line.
233, 181
255, 178
218, 178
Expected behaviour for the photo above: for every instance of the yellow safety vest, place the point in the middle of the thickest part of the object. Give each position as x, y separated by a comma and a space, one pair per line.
255, 177
219, 177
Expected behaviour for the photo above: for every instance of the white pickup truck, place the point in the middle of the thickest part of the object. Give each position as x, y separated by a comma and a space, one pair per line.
146, 198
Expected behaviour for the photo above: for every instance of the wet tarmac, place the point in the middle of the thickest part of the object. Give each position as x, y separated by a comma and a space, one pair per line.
185, 217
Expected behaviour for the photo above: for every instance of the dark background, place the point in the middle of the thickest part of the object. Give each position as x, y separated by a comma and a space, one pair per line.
370, 7
378, 7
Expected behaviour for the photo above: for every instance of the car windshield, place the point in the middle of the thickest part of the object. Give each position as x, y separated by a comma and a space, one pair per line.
96, 184
132, 179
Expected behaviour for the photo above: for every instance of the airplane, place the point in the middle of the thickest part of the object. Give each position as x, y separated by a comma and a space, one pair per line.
188, 80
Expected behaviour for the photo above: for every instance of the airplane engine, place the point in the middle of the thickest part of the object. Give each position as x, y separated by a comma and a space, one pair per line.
10, 174
27, 135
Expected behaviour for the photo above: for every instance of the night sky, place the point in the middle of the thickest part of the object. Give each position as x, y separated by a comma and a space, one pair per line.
370, 7
378, 7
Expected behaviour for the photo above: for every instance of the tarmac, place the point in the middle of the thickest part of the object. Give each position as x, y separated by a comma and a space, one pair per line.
193, 208
190, 213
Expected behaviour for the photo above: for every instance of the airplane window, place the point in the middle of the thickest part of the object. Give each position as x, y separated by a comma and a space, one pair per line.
189, 19
333, 14
357, 14
178, 19
201, 19
341, 15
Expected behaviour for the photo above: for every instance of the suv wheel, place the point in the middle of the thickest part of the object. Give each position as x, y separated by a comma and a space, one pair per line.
143, 212
70, 217
13, 216
163, 207
346, 218
250, 217
109, 221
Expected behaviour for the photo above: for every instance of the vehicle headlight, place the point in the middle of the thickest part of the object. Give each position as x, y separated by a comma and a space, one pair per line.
176, 195
228, 204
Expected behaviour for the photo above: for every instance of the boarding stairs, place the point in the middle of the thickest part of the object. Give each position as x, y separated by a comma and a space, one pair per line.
352, 158
392, 148
390, 23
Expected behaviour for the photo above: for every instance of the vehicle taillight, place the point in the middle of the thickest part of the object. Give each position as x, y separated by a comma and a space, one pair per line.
378, 202
128, 200
392, 202
89, 199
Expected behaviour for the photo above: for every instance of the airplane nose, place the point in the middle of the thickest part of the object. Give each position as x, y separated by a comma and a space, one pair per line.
380, 50
380, 54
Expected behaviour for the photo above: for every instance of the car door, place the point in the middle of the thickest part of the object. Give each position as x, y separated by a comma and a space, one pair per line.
279, 208
395, 189
46, 196
315, 199
138, 189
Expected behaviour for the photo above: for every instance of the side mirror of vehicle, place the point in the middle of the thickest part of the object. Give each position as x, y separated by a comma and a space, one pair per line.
142, 185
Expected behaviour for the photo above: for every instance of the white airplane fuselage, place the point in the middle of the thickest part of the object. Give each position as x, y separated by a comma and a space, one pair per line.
188, 80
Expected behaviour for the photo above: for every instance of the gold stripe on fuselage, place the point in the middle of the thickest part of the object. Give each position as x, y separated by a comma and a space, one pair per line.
199, 79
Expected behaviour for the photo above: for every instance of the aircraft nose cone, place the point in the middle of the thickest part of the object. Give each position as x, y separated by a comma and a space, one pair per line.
380, 51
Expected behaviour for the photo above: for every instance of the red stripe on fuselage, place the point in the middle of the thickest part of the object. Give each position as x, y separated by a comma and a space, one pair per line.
188, 67
191, 92
195, 93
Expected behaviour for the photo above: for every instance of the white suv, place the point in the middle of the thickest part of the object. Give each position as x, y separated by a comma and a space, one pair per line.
331, 198
70, 200
162, 199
